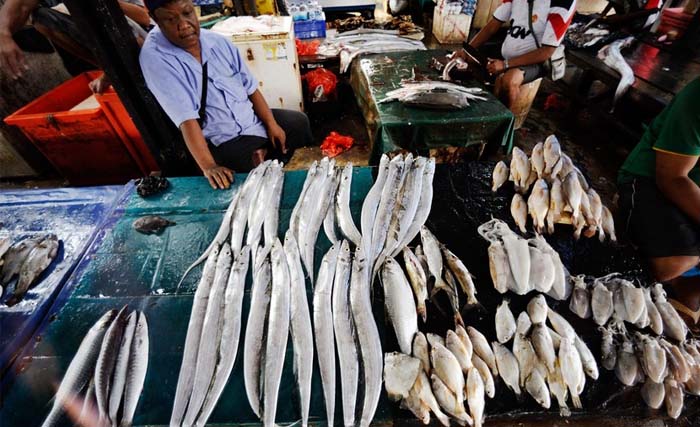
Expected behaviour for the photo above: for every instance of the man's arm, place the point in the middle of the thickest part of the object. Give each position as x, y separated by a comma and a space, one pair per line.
264, 113
218, 176
137, 13
537, 56
486, 33
13, 15
673, 182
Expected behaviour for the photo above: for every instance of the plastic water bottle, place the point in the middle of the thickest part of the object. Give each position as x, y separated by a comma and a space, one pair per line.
303, 12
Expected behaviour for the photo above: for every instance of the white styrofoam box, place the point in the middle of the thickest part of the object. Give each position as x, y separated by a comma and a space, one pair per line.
267, 45
450, 28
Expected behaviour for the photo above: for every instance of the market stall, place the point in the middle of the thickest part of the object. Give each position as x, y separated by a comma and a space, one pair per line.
74, 215
393, 126
124, 267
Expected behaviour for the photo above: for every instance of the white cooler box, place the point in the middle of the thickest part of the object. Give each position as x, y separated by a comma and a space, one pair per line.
267, 45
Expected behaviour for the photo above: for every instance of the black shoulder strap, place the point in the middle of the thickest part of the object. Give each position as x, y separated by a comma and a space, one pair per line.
203, 99
530, 5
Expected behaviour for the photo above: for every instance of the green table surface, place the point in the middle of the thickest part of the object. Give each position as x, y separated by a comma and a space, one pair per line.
393, 126
126, 267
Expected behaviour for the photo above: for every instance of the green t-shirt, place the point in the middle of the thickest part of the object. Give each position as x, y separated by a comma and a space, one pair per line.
676, 130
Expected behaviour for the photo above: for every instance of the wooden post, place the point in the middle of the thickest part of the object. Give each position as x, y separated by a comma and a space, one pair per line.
116, 49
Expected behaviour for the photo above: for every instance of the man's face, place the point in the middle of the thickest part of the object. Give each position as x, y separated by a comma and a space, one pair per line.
178, 22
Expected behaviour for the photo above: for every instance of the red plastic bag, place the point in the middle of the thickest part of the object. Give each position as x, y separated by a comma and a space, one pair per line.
322, 84
335, 144
307, 48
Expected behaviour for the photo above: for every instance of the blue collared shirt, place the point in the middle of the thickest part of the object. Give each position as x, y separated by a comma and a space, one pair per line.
175, 78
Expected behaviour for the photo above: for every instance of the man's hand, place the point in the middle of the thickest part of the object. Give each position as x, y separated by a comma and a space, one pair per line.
277, 137
495, 67
459, 53
100, 84
219, 177
11, 57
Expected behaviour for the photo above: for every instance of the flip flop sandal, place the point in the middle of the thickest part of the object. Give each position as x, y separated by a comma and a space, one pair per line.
690, 317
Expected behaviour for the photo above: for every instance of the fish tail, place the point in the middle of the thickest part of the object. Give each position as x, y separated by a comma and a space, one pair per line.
577, 401
422, 311
458, 320
440, 285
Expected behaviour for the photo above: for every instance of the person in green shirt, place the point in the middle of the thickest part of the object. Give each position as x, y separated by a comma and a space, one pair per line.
659, 187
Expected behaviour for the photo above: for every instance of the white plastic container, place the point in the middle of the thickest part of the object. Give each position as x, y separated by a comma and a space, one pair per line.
267, 45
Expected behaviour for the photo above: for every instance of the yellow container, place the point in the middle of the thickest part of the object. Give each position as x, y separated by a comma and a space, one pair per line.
266, 7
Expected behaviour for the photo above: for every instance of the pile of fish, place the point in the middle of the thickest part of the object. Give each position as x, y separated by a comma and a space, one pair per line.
439, 374
521, 265
581, 35
667, 371
398, 24
247, 235
107, 372
544, 361
350, 45
612, 57
393, 212
560, 192
26, 260
434, 95
614, 300
430, 269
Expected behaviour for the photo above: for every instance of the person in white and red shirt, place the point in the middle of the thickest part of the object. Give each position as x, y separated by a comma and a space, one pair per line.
522, 58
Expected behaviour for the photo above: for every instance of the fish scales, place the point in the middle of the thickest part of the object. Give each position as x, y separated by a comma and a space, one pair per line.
344, 331
278, 331
369, 342
323, 328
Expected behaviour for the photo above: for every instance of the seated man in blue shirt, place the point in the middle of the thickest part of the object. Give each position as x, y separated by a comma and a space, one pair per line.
224, 119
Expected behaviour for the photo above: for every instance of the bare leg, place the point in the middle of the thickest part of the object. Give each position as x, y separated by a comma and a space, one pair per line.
512, 80
669, 269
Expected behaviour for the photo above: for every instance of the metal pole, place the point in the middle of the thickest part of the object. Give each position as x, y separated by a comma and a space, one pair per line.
116, 49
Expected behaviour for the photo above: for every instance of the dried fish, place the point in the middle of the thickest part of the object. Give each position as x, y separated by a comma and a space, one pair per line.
505, 323
538, 204
507, 367
463, 276
475, 397
418, 280
537, 388
400, 373
518, 210
500, 175
571, 369
483, 349
456, 346
420, 350
447, 368
485, 373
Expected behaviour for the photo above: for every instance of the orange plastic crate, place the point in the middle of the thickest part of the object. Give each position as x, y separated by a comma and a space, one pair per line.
88, 147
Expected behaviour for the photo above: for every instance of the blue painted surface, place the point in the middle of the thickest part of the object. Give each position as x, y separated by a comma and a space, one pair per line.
74, 215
